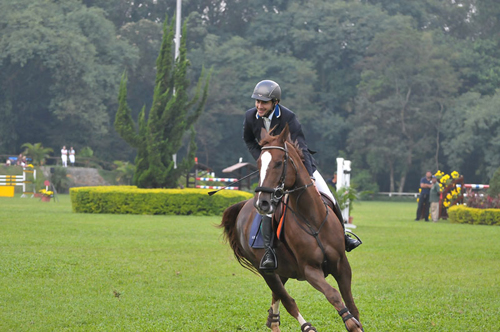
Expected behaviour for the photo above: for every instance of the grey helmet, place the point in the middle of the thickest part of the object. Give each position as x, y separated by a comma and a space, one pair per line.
267, 90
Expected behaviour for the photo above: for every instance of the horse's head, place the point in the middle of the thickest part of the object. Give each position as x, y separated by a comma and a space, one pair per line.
278, 171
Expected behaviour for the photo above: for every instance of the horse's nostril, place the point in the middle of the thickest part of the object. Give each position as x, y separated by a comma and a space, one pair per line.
264, 205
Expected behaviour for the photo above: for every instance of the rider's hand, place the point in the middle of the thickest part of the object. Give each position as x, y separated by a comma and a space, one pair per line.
315, 187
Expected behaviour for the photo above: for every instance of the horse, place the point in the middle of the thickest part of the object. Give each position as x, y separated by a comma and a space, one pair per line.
311, 245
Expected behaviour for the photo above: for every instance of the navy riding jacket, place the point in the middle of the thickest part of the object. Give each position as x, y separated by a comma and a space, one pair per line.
254, 123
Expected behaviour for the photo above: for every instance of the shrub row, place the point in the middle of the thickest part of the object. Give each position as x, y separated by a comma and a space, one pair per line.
132, 200
467, 215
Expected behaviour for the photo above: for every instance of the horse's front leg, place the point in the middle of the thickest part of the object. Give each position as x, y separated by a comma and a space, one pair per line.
273, 318
280, 293
343, 277
315, 277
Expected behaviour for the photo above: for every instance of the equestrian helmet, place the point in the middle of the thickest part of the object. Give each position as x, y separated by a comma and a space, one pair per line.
267, 90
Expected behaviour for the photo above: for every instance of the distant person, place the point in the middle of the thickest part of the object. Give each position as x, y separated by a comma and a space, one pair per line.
332, 181
434, 199
19, 159
8, 162
423, 201
64, 156
72, 156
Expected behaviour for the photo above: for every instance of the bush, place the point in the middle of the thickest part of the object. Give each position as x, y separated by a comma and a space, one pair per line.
59, 179
132, 200
467, 215
494, 189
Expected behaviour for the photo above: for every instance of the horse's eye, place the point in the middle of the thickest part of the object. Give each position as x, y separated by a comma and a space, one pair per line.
278, 164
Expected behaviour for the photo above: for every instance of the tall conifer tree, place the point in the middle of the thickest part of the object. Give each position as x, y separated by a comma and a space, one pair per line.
158, 135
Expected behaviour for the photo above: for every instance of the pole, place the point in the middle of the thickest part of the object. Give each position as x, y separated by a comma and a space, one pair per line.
232, 184
177, 42
178, 28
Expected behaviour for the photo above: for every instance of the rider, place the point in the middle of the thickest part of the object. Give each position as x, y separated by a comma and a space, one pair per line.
269, 113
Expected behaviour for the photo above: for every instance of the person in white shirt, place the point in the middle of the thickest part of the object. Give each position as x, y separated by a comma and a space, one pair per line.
72, 156
64, 156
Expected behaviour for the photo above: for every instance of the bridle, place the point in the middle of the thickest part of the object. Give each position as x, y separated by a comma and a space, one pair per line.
279, 191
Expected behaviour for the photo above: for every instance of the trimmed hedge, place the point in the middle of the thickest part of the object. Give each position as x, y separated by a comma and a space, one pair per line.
132, 200
466, 215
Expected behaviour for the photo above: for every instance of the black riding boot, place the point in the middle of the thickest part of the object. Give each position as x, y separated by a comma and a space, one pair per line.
268, 261
351, 243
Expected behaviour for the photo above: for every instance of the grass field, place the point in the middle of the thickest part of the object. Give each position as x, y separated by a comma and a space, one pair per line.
62, 271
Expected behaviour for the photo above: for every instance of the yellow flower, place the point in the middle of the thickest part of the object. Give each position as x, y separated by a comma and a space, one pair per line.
449, 196
46, 192
455, 174
446, 204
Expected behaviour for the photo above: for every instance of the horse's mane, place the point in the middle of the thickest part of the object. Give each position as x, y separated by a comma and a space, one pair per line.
269, 138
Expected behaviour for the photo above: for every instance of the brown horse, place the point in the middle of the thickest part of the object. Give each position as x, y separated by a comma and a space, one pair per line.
311, 244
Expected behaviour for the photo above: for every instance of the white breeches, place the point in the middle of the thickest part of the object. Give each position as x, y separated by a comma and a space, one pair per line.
322, 186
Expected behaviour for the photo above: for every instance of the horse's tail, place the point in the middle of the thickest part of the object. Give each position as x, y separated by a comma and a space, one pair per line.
231, 235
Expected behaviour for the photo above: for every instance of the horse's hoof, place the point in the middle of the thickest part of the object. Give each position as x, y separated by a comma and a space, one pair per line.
307, 327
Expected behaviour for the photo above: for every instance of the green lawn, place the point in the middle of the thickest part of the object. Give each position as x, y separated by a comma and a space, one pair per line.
62, 271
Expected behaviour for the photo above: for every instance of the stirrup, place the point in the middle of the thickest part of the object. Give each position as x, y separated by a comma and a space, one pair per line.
269, 268
351, 233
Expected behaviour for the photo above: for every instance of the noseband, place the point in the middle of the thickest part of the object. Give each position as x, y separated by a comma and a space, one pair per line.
279, 191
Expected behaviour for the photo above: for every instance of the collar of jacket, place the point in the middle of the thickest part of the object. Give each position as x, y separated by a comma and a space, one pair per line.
276, 113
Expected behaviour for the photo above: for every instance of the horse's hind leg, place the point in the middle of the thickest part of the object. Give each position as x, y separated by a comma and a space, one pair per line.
316, 278
280, 293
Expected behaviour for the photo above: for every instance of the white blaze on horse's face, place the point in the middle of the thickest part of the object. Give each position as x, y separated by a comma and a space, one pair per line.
265, 160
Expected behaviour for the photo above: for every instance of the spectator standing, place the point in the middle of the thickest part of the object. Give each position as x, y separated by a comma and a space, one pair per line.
434, 199
64, 156
332, 181
72, 156
423, 201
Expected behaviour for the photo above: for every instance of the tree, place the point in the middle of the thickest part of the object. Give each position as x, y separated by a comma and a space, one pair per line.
158, 136
125, 171
36, 152
407, 84
471, 136
59, 63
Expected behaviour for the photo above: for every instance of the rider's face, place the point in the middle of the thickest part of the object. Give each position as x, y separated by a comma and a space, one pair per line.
263, 107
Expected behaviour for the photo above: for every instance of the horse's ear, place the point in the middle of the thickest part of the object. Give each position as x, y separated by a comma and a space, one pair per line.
285, 134
263, 133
